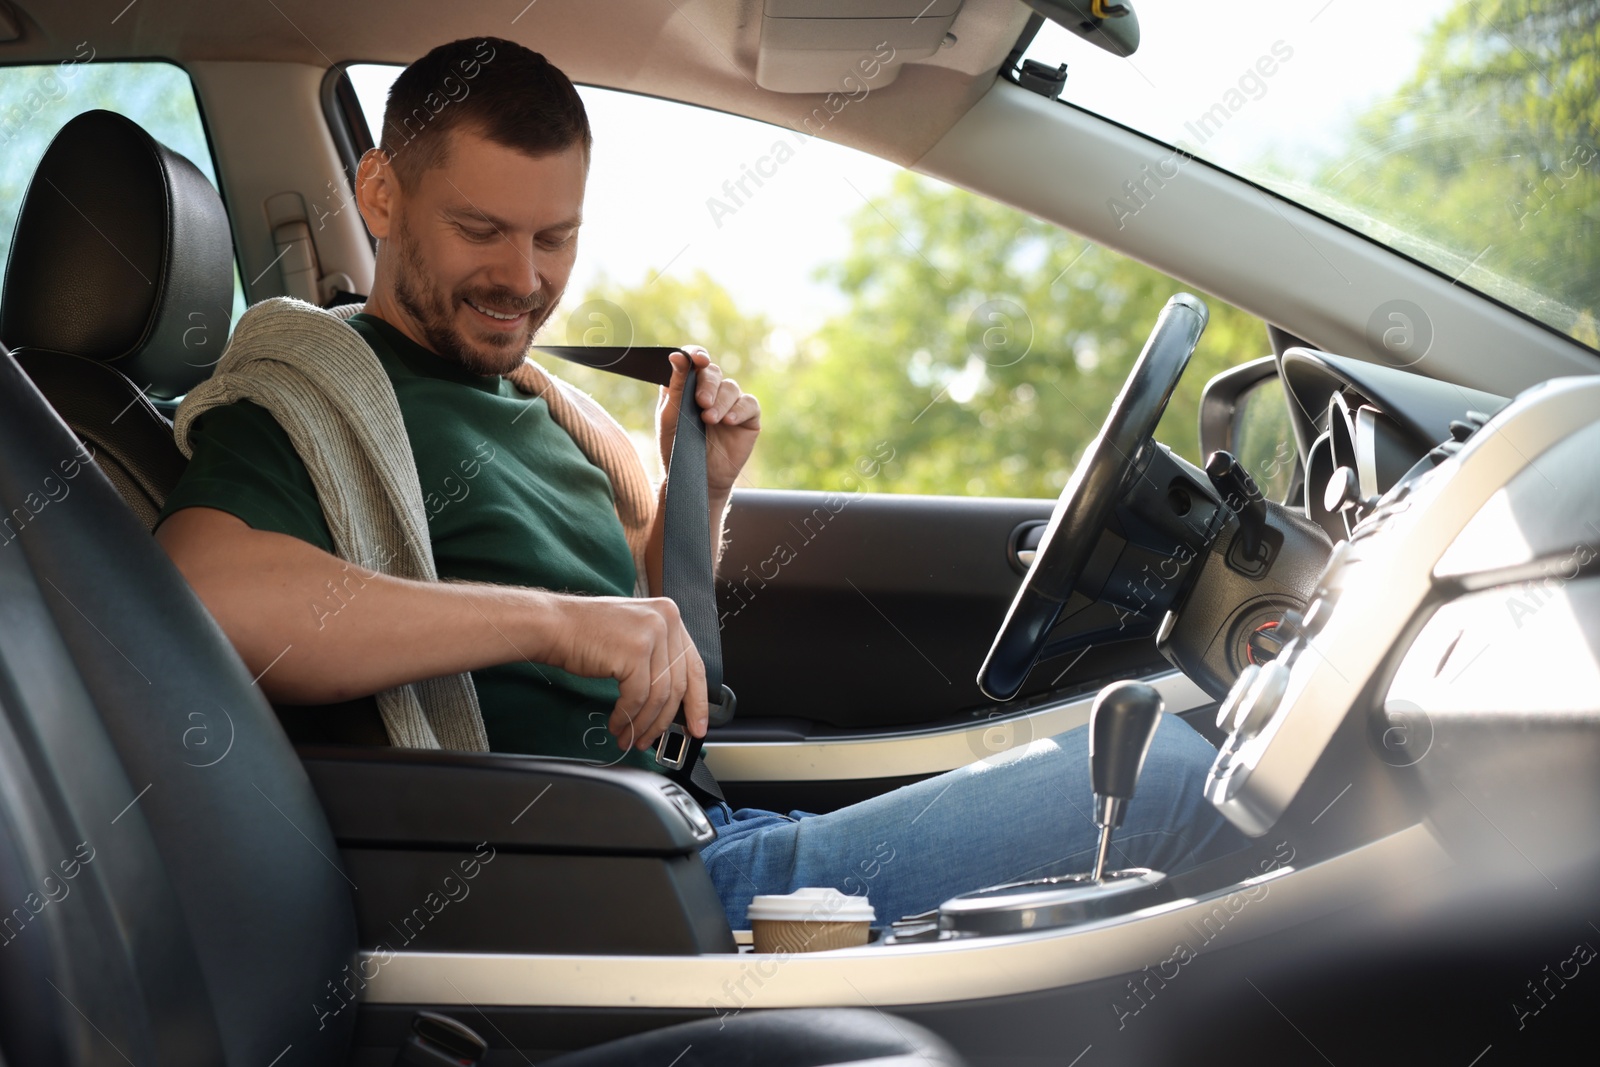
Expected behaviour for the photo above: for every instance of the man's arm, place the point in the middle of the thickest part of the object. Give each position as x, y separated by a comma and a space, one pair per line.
319, 630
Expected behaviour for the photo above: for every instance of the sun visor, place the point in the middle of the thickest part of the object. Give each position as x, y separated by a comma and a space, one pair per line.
846, 46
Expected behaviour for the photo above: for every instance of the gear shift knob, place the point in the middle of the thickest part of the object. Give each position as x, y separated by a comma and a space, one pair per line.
1121, 727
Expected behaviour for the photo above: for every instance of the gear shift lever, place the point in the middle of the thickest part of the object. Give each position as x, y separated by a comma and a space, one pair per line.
1121, 727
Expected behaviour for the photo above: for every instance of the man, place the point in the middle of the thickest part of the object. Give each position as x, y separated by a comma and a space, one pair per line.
476, 201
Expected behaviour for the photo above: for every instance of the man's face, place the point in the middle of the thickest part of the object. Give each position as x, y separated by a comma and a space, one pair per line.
481, 248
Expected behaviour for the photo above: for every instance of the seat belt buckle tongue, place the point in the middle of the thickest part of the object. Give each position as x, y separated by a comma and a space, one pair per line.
674, 747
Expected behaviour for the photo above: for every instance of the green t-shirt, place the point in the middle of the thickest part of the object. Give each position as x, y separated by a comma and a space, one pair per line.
509, 497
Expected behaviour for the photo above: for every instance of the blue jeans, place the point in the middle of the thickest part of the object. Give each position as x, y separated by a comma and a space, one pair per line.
1027, 813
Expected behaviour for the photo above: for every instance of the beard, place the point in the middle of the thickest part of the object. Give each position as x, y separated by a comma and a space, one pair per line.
490, 352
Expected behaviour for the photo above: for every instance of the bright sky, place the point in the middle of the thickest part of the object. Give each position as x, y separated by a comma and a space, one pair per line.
1346, 55
656, 163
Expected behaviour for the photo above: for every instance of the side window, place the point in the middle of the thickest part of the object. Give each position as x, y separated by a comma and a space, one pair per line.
36, 101
903, 335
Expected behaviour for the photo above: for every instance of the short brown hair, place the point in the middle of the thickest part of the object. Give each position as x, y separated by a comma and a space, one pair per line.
510, 94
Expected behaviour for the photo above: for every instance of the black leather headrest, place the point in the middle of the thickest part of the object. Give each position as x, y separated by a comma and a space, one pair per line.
122, 254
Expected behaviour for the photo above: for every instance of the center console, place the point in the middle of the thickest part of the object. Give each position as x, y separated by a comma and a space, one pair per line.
554, 855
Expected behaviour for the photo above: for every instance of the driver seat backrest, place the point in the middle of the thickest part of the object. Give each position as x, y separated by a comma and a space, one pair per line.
173, 884
119, 289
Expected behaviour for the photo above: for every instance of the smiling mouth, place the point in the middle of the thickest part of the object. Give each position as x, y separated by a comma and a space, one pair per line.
500, 316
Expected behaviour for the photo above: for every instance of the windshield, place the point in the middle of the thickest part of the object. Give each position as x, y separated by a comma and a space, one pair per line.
1463, 133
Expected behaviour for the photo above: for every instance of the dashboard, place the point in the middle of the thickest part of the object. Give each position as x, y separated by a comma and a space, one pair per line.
1461, 603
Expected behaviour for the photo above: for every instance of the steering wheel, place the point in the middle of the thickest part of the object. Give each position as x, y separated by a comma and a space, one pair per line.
1090, 495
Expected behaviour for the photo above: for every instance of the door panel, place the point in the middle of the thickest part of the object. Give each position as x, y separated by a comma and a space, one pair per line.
844, 614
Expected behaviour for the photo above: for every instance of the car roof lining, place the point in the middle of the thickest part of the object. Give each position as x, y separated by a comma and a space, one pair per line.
696, 51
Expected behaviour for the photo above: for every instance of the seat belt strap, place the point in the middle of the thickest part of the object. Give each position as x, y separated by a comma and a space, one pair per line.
686, 569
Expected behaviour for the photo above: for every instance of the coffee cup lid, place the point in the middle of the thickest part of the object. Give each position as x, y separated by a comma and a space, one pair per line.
812, 904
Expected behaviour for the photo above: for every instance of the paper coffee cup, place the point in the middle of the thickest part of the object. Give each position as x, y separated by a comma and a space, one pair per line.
812, 919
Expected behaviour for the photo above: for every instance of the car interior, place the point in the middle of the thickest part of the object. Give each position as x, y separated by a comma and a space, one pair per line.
1398, 661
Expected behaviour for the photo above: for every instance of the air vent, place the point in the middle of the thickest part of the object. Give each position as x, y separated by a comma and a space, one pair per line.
1460, 430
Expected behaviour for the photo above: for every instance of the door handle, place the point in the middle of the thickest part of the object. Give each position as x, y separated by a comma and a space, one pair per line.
1023, 546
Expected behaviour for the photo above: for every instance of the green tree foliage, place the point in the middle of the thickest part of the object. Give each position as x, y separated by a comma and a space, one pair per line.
1488, 158
983, 346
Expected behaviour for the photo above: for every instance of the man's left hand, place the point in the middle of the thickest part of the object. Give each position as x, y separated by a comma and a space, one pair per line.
732, 419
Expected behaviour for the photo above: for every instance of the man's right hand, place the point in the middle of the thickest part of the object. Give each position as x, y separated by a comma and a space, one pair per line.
644, 646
